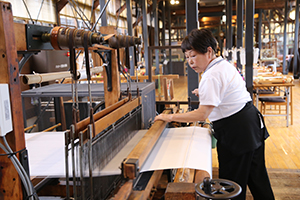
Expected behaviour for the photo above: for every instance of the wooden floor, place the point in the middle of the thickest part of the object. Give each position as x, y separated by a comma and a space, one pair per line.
282, 147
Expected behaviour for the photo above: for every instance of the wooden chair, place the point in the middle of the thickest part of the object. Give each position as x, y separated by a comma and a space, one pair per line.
276, 104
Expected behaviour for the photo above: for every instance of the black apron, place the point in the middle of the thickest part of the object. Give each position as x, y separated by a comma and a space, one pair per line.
241, 132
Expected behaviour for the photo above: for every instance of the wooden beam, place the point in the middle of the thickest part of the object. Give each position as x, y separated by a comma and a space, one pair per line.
85, 122
121, 9
108, 30
112, 117
268, 5
112, 96
165, 88
20, 36
61, 4
96, 4
10, 183
143, 148
124, 191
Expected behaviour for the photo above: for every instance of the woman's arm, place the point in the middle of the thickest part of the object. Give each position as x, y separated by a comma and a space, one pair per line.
199, 114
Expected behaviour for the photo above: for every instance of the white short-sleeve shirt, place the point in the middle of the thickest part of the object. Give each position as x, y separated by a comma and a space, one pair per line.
223, 87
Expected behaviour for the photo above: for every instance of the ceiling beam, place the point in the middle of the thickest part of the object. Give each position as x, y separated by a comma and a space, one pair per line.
96, 4
268, 5
61, 4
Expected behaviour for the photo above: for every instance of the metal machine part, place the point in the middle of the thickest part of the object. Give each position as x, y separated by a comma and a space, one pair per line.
58, 38
218, 189
120, 41
33, 37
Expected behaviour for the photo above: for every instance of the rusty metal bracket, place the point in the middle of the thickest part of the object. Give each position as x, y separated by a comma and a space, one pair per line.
34, 37
25, 58
106, 58
24, 160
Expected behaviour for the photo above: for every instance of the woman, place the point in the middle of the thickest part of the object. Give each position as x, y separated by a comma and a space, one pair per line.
237, 123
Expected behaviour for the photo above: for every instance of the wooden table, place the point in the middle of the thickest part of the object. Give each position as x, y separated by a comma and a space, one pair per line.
287, 91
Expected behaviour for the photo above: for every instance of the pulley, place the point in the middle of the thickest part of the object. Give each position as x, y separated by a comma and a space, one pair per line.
218, 189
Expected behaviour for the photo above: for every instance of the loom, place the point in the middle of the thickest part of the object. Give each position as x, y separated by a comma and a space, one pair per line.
92, 142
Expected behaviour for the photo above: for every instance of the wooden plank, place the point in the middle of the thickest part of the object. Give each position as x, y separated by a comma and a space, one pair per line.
83, 123
143, 148
180, 191
20, 36
124, 191
10, 183
112, 117
113, 96
108, 30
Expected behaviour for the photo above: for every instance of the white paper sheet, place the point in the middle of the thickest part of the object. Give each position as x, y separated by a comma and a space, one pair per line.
187, 147
46, 154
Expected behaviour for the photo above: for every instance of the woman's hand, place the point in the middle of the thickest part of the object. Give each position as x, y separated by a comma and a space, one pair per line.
195, 92
163, 117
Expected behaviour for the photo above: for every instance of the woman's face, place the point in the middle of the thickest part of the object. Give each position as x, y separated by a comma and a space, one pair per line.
198, 61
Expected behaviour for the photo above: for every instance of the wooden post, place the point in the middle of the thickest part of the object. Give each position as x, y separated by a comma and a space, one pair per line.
171, 88
143, 148
10, 183
165, 88
113, 96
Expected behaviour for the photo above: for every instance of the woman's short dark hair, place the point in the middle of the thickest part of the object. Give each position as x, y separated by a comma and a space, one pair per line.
199, 40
